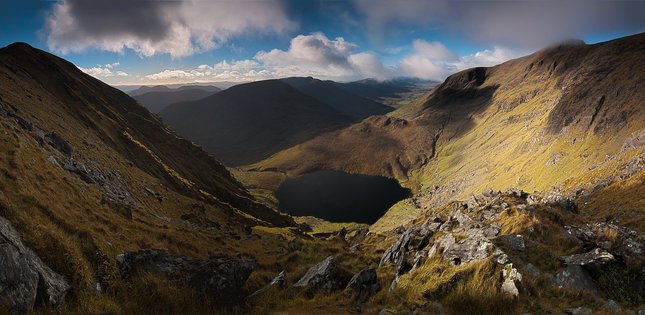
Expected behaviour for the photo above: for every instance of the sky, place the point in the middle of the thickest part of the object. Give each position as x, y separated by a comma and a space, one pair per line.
145, 42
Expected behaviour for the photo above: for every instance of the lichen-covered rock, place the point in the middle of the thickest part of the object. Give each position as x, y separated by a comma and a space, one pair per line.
512, 281
220, 275
326, 276
24, 278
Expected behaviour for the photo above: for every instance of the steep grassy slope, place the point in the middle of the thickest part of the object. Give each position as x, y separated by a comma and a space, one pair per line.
339, 98
157, 101
86, 173
249, 122
569, 116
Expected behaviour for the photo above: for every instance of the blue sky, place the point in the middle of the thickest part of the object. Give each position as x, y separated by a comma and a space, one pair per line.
160, 42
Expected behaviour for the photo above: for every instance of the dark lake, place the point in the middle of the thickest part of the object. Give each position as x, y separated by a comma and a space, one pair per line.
339, 197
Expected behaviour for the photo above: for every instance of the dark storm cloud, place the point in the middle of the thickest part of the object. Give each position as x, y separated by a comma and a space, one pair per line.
148, 27
142, 18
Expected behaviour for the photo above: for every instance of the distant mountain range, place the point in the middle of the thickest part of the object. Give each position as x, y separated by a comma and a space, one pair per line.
158, 97
249, 122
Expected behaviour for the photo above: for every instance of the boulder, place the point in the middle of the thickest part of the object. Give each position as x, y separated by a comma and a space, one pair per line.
25, 281
512, 281
364, 284
219, 275
514, 242
475, 246
573, 277
593, 259
326, 276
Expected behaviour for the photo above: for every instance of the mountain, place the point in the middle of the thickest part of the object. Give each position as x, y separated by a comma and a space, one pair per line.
249, 122
173, 88
87, 173
157, 100
569, 116
341, 99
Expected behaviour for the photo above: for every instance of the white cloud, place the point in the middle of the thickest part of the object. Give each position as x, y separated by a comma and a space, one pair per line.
432, 60
318, 56
313, 53
104, 71
179, 28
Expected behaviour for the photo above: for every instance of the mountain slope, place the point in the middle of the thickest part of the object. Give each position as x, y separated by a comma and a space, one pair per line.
569, 116
341, 99
86, 173
157, 101
249, 122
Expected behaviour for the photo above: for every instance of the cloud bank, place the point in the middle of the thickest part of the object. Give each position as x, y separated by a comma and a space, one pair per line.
523, 23
179, 28
336, 59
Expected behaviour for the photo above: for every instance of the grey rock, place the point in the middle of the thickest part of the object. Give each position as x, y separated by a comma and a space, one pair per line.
220, 275
532, 199
326, 276
557, 199
593, 259
512, 281
500, 256
24, 279
514, 242
419, 259
516, 192
364, 284
575, 278
474, 246
579, 311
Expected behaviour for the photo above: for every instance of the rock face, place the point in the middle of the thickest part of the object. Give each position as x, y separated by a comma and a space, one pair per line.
25, 281
364, 284
219, 275
326, 276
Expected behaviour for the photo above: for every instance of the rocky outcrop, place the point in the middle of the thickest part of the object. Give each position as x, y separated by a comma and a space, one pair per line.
219, 275
617, 240
364, 284
593, 259
25, 281
326, 276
